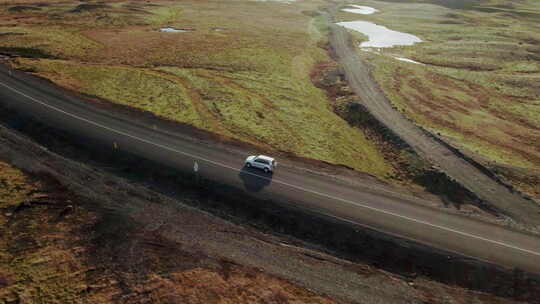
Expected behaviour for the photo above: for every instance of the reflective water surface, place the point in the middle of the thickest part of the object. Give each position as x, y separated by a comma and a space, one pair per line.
172, 30
358, 9
380, 36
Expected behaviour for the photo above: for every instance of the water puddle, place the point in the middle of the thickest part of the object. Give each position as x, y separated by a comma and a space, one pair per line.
380, 36
378, 52
358, 9
407, 60
173, 30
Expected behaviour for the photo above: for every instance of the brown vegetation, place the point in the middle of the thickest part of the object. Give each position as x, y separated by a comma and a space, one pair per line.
97, 237
53, 250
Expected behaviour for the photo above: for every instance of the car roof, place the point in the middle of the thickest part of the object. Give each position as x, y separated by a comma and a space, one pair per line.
265, 157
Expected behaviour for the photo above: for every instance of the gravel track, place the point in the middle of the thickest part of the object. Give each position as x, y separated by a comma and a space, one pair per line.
485, 187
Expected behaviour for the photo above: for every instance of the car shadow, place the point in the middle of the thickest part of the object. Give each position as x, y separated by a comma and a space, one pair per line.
254, 179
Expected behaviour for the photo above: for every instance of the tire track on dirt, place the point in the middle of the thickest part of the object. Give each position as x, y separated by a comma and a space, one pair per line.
486, 188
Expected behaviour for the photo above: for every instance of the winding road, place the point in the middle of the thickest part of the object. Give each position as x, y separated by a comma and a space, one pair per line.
385, 211
486, 188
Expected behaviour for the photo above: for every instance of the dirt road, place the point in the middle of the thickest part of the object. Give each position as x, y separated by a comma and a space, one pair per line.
485, 187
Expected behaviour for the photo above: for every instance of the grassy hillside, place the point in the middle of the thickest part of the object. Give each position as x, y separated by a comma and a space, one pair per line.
479, 85
242, 70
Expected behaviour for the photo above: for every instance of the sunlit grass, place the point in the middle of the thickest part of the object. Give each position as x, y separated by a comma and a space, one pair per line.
164, 15
263, 109
129, 86
243, 72
56, 41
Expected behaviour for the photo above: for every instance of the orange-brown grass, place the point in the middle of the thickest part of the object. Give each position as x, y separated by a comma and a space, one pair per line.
14, 186
474, 116
239, 286
47, 255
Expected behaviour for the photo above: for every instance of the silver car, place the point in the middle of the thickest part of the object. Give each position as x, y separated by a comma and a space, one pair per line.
266, 163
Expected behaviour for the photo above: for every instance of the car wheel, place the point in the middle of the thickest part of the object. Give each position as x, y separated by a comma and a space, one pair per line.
266, 170
248, 165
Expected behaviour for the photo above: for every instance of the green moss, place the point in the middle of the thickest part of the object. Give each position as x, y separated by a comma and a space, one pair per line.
59, 42
166, 15
287, 113
129, 86
523, 67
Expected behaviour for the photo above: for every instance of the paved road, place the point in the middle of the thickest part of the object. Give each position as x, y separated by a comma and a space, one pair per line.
360, 80
385, 211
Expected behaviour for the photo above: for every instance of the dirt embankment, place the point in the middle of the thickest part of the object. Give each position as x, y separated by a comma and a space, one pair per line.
58, 247
466, 173
141, 230
411, 169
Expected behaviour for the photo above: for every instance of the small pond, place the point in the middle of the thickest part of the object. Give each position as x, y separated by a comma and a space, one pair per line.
358, 9
407, 60
380, 36
173, 30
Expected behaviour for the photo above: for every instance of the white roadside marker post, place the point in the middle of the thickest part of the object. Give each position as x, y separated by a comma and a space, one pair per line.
196, 170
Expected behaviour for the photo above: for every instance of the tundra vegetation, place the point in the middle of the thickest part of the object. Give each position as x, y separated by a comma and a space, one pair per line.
48, 256
242, 71
479, 85
77, 234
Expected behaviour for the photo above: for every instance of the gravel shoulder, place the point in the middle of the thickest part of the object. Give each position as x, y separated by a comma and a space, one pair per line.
125, 243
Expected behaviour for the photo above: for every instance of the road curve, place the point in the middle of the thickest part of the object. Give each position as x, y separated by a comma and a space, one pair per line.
381, 210
361, 82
